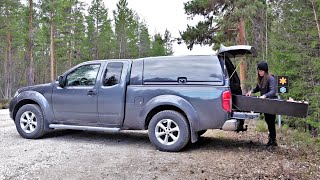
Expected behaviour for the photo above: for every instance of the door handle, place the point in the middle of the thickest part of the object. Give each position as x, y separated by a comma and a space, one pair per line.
92, 93
182, 80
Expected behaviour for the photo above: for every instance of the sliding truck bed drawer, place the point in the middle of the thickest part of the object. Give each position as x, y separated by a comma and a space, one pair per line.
270, 106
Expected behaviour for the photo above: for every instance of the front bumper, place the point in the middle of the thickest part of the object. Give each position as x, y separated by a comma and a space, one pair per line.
12, 104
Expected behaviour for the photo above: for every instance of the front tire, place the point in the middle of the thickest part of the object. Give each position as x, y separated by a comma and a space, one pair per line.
169, 131
30, 122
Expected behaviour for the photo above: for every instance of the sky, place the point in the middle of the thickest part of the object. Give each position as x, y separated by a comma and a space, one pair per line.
160, 15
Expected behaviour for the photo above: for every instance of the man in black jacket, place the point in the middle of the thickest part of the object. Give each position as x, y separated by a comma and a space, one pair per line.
267, 87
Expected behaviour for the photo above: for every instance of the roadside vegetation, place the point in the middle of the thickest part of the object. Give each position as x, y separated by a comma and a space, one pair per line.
286, 34
4, 103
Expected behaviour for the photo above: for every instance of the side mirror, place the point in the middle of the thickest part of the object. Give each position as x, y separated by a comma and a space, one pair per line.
61, 81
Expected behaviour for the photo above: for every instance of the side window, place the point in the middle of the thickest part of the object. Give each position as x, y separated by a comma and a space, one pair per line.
112, 75
83, 76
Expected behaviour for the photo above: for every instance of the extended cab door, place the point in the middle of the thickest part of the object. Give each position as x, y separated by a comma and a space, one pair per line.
76, 102
112, 92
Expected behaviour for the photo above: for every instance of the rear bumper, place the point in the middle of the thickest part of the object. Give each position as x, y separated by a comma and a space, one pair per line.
244, 115
231, 125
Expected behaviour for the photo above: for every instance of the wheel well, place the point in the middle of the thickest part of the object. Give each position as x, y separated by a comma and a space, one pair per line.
20, 104
157, 109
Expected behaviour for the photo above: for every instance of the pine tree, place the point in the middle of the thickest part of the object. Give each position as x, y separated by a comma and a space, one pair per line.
295, 53
106, 40
224, 24
158, 46
11, 41
168, 42
30, 44
50, 11
133, 36
79, 34
103, 36
126, 30
144, 41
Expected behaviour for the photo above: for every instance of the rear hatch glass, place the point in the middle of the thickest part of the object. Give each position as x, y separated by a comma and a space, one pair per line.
193, 68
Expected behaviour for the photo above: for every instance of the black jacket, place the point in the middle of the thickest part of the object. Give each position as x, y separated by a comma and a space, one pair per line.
269, 91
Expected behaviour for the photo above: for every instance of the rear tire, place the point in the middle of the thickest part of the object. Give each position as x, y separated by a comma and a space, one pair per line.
30, 122
169, 131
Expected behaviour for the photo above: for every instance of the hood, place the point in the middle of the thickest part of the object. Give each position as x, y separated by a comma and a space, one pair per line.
41, 88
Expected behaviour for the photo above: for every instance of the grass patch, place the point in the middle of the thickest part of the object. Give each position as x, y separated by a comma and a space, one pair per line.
261, 126
220, 134
4, 103
301, 139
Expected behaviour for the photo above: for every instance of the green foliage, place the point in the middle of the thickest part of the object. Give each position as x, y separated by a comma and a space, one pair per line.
158, 48
162, 46
291, 47
221, 26
144, 41
126, 27
293, 39
220, 20
101, 36
81, 33
12, 36
302, 139
261, 126
168, 42
4, 103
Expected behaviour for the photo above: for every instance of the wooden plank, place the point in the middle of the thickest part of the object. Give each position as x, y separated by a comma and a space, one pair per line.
270, 106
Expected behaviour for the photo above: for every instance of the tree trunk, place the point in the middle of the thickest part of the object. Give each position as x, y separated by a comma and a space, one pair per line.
56, 67
51, 47
315, 17
31, 69
243, 64
70, 55
7, 68
96, 55
7, 61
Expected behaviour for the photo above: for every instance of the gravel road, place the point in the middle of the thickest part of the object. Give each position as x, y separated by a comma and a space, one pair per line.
129, 155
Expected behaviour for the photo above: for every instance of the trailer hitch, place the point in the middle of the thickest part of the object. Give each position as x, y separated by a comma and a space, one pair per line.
241, 126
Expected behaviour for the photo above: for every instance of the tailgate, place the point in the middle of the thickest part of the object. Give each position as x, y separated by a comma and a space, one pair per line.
270, 106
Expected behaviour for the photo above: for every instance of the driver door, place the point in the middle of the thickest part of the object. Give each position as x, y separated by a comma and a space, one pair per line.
76, 103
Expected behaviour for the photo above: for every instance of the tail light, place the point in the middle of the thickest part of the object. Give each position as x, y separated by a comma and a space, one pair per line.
226, 101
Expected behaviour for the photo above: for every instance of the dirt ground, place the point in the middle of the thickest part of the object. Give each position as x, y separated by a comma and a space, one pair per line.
129, 155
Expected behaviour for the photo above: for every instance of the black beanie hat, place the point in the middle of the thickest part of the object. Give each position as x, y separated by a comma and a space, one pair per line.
263, 66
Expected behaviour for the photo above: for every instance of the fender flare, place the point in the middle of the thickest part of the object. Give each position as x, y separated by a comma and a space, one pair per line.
41, 101
179, 102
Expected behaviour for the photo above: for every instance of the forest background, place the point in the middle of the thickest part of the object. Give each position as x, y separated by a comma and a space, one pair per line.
41, 39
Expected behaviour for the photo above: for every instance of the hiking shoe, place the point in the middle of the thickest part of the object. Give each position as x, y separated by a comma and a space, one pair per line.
272, 143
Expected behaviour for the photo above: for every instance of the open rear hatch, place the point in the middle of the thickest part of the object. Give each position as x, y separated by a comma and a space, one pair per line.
242, 105
236, 51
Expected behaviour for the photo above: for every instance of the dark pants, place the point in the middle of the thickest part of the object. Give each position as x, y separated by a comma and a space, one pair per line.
271, 122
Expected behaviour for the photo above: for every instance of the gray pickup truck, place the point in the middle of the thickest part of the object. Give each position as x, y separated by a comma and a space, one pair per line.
175, 98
